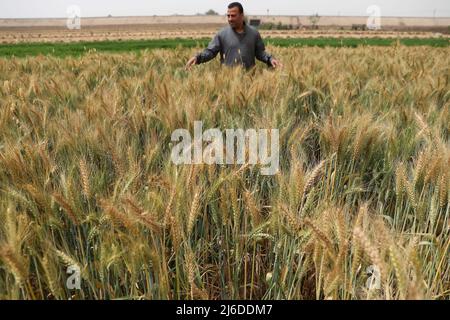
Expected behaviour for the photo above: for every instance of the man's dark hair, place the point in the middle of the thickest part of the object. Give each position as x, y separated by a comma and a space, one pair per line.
236, 5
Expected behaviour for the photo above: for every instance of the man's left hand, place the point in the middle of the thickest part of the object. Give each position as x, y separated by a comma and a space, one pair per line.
276, 64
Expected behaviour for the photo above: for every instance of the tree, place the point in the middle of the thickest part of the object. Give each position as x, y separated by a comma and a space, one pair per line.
211, 12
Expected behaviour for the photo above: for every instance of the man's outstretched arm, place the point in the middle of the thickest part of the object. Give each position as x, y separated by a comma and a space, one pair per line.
263, 56
208, 54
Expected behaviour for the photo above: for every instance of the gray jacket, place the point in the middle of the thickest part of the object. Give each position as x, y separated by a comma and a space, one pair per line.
236, 48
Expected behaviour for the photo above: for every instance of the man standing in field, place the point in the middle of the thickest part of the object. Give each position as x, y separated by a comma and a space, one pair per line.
238, 44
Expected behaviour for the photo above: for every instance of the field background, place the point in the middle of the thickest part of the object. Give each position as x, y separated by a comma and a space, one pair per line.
86, 178
197, 27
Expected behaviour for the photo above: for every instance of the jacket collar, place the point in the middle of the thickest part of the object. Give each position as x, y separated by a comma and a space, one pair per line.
245, 29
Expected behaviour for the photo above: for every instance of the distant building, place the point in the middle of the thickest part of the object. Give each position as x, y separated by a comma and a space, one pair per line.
255, 22
362, 27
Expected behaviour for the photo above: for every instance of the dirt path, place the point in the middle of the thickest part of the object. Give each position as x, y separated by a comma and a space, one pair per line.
167, 31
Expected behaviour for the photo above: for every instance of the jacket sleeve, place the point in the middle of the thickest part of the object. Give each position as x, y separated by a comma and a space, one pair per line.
260, 51
211, 51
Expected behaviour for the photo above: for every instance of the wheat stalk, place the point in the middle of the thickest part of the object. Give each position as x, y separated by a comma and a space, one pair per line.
84, 171
292, 220
400, 180
313, 177
115, 214
15, 263
252, 208
371, 250
65, 205
142, 216
193, 213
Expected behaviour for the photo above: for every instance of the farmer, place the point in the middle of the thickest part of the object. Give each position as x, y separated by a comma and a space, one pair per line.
238, 44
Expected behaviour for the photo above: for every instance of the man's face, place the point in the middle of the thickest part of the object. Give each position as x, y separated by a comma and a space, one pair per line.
235, 18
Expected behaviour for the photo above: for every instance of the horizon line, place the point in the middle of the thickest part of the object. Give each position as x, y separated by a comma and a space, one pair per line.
204, 15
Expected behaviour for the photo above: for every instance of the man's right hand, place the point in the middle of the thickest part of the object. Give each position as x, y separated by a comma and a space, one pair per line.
191, 62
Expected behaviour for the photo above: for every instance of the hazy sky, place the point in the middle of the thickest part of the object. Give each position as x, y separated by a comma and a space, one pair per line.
89, 8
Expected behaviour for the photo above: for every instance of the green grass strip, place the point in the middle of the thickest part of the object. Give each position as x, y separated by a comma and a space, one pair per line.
79, 48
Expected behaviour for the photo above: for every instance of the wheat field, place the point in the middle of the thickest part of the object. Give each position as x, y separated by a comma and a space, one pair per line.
86, 178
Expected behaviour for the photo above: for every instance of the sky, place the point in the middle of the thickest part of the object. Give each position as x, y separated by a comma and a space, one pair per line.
100, 8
